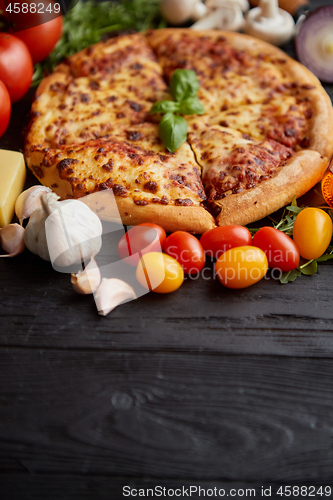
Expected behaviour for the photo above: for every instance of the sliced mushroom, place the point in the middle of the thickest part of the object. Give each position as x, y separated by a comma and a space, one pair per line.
269, 23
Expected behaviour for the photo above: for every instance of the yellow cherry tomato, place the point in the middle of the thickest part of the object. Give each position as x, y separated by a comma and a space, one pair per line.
312, 232
241, 267
159, 272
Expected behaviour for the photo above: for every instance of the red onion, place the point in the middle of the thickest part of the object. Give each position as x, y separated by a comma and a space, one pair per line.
314, 43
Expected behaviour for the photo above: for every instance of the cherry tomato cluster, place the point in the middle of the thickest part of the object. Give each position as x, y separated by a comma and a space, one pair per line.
18, 53
241, 260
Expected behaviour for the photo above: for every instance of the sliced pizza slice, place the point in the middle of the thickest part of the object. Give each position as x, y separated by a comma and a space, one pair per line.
149, 183
101, 89
246, 179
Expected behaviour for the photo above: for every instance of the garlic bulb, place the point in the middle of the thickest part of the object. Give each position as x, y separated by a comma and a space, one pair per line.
65, 232
12, 240
112, 292
28, 201
87, 281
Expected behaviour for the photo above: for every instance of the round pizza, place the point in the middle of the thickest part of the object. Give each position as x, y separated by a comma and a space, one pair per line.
265, 137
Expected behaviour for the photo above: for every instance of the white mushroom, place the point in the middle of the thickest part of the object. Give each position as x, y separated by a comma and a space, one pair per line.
228, 17
178, 12
199, 10
269, 23
216, 4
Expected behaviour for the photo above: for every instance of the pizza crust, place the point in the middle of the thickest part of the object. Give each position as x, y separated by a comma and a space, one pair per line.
192, 219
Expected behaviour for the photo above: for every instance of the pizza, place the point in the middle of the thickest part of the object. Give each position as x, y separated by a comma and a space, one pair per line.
266, 135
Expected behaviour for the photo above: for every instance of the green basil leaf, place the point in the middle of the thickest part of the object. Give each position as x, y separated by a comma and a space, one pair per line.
290, 276
325, 257
183, 84
191, 106
295, 210
172, 131
165, 107
309, 268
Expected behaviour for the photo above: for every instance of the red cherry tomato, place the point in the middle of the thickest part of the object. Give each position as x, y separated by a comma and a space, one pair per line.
280, 250
16, 68
5, 108
220, 239
241, 267
187, 250
141, 239
41, 39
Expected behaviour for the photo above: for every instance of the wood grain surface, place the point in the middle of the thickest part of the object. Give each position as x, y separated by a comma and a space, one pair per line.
204, 387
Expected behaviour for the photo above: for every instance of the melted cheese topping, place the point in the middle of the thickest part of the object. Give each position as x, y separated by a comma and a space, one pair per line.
284, 120
228, 76
91, 97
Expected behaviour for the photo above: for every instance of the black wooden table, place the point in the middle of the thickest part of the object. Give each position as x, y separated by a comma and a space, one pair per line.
206, 387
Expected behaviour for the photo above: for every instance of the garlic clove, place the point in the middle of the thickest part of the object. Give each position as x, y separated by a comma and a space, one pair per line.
110, 293
87, 281
28, 201
12, 240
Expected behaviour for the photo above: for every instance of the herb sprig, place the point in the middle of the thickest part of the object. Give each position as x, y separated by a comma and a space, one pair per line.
286, 225
183, 88
87, 22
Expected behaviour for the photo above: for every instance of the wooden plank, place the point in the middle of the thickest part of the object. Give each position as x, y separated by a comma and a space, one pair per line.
39, 308
221, 418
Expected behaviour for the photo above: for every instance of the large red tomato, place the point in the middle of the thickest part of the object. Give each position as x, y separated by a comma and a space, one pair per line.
16, 68
5, 108
41, 39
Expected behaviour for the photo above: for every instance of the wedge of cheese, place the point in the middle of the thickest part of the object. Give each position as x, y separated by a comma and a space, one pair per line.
12, 178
